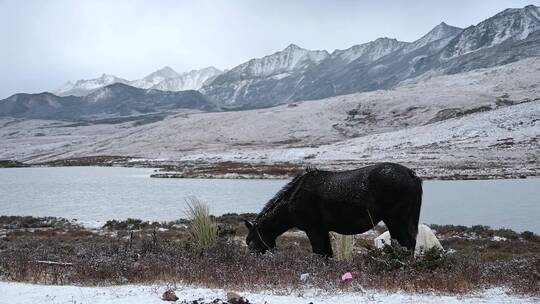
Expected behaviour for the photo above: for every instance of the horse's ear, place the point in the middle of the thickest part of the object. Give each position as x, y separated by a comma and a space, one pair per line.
249, 224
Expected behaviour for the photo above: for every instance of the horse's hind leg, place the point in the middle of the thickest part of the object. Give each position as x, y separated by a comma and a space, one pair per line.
402, 219
399, 230
320, 242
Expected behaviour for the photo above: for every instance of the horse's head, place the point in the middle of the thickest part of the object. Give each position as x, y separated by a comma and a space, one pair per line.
255, 241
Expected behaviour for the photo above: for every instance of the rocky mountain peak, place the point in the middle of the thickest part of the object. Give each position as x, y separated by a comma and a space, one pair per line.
289, 59
370, 51
442, 33
166, 72
510, 24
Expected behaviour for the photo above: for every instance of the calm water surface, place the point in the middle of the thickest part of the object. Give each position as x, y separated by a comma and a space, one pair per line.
102, 193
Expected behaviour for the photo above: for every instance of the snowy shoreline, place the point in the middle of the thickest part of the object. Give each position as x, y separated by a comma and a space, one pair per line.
15, 293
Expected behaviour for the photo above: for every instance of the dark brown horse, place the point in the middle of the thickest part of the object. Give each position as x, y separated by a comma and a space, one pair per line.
348, 202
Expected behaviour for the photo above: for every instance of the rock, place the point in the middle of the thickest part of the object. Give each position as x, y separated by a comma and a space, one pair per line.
169, 295
235, 298
231, 295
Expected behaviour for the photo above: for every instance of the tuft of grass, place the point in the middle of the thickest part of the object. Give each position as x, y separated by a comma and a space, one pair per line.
343, 245
203, 228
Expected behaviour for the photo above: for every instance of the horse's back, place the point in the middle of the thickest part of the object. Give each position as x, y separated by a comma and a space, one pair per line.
354, 201
358, 182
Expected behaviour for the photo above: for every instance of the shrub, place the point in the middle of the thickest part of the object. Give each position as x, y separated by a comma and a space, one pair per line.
530, 236
202, 228
393, 256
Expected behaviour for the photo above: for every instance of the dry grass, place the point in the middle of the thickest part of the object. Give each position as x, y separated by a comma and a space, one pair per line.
150, 255
203, 228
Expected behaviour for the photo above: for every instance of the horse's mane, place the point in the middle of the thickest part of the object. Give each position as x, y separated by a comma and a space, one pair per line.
278, 198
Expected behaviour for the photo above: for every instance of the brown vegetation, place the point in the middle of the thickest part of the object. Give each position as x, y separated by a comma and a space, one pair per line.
6, 163
98, 160
203, 169
140, 252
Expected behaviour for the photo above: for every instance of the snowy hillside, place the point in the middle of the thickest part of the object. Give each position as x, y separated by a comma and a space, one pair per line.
483, 116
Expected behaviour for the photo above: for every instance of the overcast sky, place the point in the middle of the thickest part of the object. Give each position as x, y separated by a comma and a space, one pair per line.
43, 44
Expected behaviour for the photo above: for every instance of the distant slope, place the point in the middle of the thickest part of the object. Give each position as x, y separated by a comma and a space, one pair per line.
294, 132
111, 101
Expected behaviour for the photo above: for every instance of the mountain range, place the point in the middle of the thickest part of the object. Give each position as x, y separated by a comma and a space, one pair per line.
508, 36
296, 74
165, 79
114, 100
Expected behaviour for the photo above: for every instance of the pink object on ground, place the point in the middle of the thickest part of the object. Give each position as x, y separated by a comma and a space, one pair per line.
346, 276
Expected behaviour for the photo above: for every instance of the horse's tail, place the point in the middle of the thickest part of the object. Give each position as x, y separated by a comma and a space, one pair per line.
416, 204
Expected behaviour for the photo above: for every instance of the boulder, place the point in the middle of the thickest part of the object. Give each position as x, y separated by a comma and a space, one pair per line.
235, 298
169, 295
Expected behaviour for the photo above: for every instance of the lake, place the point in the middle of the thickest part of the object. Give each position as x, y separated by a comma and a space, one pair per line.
101, 193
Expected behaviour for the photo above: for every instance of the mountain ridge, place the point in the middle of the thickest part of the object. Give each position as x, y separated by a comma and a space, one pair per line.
295, 74
443, 50
114, 100
165, 79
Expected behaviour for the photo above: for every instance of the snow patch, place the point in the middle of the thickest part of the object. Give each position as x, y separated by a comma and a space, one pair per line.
20, 293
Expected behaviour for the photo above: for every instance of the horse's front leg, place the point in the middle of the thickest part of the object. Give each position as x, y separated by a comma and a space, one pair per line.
320, 242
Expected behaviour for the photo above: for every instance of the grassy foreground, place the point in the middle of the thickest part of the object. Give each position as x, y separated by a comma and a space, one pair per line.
56, 251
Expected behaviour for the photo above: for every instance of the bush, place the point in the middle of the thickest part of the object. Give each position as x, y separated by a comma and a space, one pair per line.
393, 257
530, 236
202, 228
129, 224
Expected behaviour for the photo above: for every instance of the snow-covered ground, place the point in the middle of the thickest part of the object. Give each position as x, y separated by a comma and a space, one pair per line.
501, 125
15, 293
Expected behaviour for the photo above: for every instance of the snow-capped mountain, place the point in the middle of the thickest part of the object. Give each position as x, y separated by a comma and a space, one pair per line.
292, 58
165, 79
510, 24
299, 74
295, 73
442, 34
154, 78
247, 84
84, 87
370, 51
508, 36
192, 80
